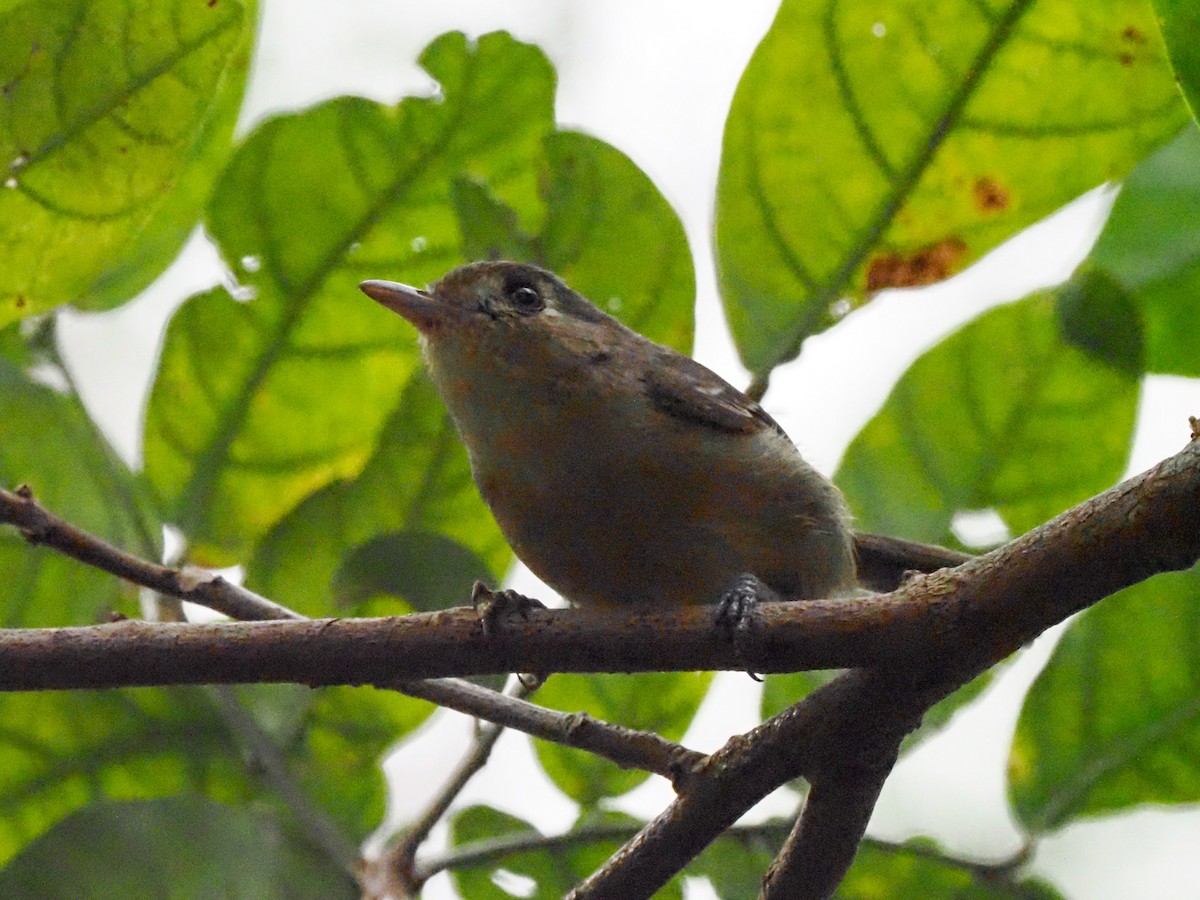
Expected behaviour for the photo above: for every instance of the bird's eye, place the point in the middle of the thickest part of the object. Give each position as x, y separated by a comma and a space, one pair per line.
526, 300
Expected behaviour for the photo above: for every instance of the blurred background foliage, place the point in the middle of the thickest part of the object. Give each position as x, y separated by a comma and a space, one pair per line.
290, 428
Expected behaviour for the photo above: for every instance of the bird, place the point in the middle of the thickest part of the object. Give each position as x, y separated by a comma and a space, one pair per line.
622, 472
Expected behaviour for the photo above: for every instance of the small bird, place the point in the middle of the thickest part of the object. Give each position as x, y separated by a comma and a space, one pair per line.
620, 471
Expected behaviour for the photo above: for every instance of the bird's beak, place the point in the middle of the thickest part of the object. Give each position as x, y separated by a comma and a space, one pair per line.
419, 307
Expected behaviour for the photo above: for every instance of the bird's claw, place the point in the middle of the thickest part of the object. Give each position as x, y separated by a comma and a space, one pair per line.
733, 613
497, 608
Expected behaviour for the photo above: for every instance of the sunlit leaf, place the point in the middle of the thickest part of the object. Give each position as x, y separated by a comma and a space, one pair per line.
872, 146
418, 480
608, 232
297, 389
48, 444
1180, 20
616, 239
117, 115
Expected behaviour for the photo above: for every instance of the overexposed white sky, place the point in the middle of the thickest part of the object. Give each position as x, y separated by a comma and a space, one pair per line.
655, 79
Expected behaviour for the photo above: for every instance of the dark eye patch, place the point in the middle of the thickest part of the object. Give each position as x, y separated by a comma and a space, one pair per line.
524, 296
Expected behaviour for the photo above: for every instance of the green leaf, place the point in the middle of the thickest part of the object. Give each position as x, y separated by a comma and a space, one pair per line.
61, 751
1146, 262
553, 870
735, 863
48, 443
662, 702
875, 146
616, 239
608, 231
490, 229
1180, 21
419, 480
1101, 318
135, 850
920, 868
781, 691
427, 570
347, 732
553, 878
14, 347
296, 392
1113, 720
117, 117
1003, 414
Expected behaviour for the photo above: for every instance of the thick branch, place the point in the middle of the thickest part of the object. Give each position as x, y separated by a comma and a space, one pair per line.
1149, 524
922, 642
857, 719
820, 849
978, 614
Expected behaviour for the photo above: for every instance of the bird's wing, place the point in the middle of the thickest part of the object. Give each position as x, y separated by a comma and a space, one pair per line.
679, 385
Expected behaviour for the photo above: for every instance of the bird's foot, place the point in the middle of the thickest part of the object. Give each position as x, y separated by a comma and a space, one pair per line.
499, 608
733, 613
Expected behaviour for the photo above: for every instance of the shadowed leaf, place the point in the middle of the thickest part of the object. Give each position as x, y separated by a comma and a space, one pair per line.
1003, 414
1113, 720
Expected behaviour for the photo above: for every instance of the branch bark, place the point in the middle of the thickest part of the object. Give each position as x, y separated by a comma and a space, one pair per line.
908, 649
982, 611
993, 603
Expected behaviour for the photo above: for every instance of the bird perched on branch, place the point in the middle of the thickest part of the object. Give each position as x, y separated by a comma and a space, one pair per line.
621, 471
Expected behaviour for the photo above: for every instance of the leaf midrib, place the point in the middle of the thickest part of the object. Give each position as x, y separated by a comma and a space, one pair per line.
904, 185
198, 492
113, 101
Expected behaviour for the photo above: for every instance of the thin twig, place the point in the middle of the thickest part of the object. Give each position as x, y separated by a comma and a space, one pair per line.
627, 747
494, 851
394, 872
142, 646
39, 526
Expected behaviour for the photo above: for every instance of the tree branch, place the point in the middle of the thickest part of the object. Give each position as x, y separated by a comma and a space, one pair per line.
1150, 523
626, 747
979, 613
858, 717
921, 642
39, 526
818, 852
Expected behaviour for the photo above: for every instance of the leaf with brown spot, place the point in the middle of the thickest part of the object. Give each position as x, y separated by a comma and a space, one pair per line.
990, 195
928, 265
905, 105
